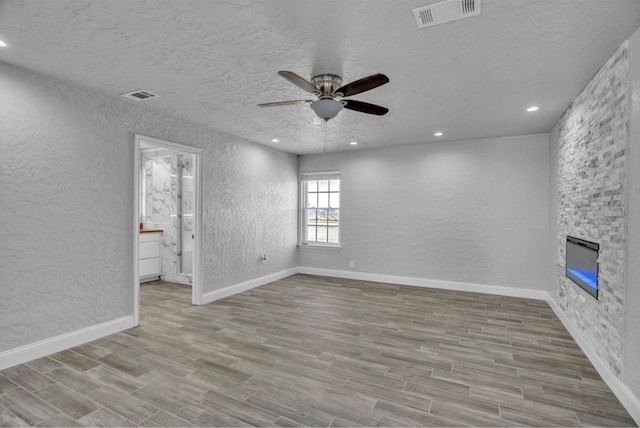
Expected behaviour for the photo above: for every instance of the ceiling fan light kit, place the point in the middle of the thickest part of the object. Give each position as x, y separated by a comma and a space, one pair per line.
327, 108
329, 92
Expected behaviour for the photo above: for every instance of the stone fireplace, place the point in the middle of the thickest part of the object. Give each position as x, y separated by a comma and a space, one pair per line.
592, 203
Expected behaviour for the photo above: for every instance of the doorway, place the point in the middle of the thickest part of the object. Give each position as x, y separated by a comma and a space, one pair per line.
168, 215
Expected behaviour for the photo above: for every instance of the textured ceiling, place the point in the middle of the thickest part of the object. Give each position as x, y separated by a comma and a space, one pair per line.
213, 61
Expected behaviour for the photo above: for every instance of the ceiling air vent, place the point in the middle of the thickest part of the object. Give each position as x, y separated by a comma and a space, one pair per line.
446, 11
139, 95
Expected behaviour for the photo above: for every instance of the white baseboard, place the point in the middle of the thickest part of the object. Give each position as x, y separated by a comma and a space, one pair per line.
247, 285
29, 352
628, 399
428, 283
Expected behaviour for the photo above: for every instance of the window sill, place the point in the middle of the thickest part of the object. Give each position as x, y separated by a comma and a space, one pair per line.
320, 246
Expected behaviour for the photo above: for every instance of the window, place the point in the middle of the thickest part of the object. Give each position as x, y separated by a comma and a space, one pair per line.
320, 213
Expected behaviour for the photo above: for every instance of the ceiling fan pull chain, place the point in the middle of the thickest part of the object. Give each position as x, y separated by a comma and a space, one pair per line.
325, 137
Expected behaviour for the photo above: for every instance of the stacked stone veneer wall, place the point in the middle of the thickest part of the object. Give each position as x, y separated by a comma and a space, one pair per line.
592, 203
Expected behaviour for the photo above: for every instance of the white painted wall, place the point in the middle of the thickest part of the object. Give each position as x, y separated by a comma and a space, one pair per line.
470, 211
631, 360
66, 205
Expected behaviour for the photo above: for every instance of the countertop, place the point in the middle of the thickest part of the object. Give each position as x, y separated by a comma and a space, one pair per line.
146, 230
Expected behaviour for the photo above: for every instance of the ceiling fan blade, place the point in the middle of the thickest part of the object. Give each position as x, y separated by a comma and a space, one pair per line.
362, 85
284, 103
365, 107
299, 81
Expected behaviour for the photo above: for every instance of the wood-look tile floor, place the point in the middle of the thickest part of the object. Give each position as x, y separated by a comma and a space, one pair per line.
315, 351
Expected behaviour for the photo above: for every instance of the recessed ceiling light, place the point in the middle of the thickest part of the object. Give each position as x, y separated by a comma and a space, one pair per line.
354, 143
2, 44
275, 140
438, 134
532, 108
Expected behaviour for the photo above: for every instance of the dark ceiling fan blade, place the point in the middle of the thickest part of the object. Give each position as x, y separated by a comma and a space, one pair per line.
299, 81
365, 107
284, 103
362, 85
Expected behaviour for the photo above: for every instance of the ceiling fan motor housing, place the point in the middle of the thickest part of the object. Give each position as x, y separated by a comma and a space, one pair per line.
327, 83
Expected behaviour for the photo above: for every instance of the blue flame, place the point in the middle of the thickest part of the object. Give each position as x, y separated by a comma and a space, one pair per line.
589, 277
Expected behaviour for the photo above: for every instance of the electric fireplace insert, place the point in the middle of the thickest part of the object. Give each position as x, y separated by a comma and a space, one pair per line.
582, 264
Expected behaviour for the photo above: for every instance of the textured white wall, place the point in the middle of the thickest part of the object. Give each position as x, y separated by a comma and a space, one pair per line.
66, 204
470, 211
251, 208
631, 367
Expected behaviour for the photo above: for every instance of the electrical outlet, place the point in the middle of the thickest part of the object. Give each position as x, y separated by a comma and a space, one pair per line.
352, 264
263, 258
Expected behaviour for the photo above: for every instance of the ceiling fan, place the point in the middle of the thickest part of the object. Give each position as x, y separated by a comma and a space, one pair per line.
330, 94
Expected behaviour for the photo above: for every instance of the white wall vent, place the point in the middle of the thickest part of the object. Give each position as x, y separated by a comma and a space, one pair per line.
139, 95
446, 11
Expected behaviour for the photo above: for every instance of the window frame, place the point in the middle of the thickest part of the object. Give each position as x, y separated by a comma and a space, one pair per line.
305, 177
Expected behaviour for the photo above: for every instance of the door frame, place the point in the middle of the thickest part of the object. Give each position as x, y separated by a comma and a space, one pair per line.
196, 286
